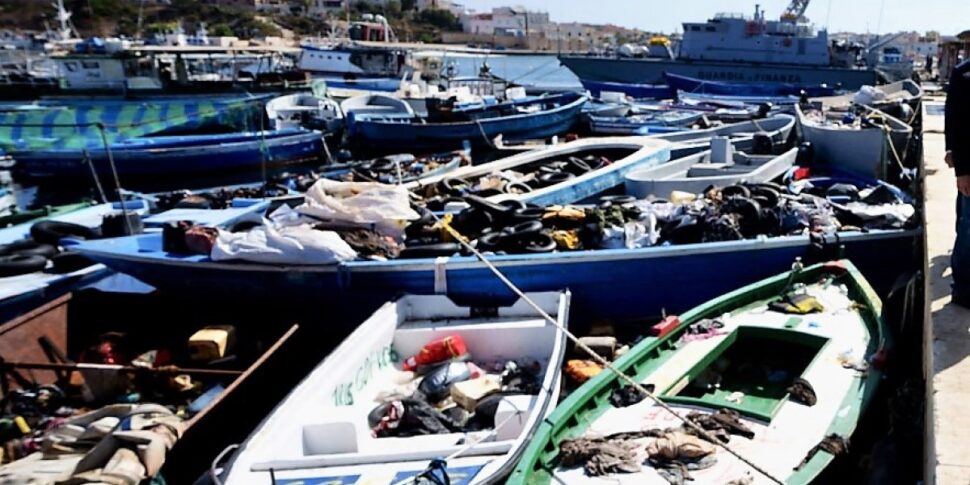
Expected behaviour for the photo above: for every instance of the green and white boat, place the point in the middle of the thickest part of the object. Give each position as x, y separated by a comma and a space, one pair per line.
742, 353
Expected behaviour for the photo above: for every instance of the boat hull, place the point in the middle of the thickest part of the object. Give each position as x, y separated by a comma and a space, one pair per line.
604, 283
651, 71
417, 136
167, 160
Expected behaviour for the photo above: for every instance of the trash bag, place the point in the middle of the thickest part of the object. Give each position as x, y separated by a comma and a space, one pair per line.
386, 207
299, 244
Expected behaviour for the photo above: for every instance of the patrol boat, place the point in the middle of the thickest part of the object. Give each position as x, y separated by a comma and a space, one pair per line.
733, 48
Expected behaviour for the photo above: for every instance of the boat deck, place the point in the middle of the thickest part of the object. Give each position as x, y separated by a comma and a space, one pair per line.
948, 451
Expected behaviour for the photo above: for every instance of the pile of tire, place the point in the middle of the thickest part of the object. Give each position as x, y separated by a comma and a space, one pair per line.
33, 254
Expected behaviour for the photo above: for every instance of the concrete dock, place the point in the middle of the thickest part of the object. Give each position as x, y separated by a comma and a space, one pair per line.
948, 331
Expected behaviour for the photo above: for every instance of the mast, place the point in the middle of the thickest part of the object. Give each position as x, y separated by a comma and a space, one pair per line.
65, 29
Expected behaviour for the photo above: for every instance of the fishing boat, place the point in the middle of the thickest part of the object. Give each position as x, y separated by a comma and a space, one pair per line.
665, 121
865, 141
558, 174
760, 136
737, 99
226, 391
878, 97
525, 118
701, 86
785, 383
503, 146
719, 167
307, 110
175, 155
635, 91
334, 425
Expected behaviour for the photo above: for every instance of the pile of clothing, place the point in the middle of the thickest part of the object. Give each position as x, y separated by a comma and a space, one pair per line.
449, 393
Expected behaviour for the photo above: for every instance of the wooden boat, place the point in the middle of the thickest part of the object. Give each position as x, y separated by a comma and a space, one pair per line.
636, 91
700, 86
307, 110
524, 118
736, 99
878, 97
173, 156
753, 353
666, 121
73, 322
321, 431
867, 143
697, 172
558, 174
765, 133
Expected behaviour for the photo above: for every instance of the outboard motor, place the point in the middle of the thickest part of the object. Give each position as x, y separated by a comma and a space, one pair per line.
764, 109
762, 144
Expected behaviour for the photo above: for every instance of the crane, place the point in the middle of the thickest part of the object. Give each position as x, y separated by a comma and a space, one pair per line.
795, 11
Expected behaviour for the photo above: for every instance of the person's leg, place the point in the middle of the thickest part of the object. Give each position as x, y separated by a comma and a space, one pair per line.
960, 259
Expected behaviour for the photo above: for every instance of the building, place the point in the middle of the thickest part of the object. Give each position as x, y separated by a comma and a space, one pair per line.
439, 5
504, 21
322, 8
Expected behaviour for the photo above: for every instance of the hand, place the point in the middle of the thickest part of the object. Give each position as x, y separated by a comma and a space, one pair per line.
948, 158
963, 185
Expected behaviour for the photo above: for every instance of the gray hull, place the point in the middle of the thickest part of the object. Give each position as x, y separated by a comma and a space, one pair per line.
650, 71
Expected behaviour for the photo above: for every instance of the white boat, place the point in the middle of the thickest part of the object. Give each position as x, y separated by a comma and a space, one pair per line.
905, 91
715, 167
865, 148
558, 174
309, 110
379, 104
321, 432
756, 135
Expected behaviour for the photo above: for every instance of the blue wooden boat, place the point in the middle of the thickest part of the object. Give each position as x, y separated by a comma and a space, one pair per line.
527, 118
735, 100
168, 156
637, 91
693, 85
605, 283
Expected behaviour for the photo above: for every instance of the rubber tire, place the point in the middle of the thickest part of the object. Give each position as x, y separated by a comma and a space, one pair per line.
490, 242
735, 191
451, 183
555, 178
579, 166
70, 261
35, 249
528, 214
541, 243
523, 188
525, 228
18, 264
430, 250
513, 204
51, 232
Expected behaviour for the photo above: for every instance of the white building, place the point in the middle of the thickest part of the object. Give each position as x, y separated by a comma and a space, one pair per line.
509, 21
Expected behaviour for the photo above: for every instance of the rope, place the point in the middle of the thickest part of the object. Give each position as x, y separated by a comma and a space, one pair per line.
114, 173
481, 130
600, 360
94, 175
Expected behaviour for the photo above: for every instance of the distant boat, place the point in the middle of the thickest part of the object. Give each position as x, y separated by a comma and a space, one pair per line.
735, 99
306, 110
700, 86
696, 173
169, 156
322, 431
398, 127
666, 121
756, 135
789, 381
636, 91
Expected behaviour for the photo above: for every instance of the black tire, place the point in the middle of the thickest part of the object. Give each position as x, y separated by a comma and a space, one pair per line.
452, 185
430, 250
762, 144
31, 248
519, 188
540, 243
525, 228
18, 264
555, 178
513, 204
578, 166
489, 242
735, 191
70, 261
528, 214
51, 232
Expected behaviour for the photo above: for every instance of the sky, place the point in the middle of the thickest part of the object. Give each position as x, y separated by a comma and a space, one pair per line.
946, 16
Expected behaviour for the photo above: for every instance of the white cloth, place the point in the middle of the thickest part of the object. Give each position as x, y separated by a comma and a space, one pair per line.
296, 244
385, 207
